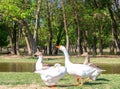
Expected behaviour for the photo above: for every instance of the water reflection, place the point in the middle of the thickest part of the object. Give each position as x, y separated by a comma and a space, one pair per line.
17, 67
30, 67
110, 68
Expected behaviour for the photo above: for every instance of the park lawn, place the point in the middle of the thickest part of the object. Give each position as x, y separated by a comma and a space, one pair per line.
29, 80
60, 59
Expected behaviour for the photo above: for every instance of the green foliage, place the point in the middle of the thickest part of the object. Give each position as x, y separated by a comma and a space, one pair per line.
91, 18
3, 35
16, 10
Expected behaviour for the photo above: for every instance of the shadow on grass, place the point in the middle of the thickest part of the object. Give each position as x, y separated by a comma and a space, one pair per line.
94, 83
102, 79
69, 85
99, 81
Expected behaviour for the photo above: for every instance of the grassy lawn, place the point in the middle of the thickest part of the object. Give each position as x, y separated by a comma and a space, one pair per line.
29, 80
60, 59
26, 79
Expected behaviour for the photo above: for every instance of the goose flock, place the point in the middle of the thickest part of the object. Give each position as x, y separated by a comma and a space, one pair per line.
52, 74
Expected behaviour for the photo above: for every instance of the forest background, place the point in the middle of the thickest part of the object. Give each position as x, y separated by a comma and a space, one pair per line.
80, 25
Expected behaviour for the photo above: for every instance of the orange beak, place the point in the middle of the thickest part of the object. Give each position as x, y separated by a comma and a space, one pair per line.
58, 47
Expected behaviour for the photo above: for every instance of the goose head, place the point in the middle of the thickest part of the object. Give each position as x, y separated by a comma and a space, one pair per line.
57, 65
40, 56
87, 58
85, 54
64, 50
60, 47
38, 53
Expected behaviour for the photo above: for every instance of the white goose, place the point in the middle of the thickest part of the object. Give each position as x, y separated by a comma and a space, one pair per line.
39, 65
80, 71
95, 75
51, 75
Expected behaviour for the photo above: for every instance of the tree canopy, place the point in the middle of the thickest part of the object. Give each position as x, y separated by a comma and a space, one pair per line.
80, 25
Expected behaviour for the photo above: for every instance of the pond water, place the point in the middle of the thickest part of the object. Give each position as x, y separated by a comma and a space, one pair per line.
17, 67
110, 68
30, 67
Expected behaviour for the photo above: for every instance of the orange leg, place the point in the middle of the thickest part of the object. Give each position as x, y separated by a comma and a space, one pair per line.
77, 82
89, 79
82, 81
52, 86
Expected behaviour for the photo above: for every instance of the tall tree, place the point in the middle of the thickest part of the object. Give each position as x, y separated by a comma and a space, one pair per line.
114, 24
65, 24
79, 39
49, 25
37, 20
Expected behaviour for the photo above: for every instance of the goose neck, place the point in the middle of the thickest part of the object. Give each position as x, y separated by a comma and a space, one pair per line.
67, 59
40, 58
87, 60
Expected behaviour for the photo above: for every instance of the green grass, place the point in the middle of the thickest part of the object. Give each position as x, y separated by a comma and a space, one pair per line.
18, 59
61, 60
105, 81
16, 78
53, 60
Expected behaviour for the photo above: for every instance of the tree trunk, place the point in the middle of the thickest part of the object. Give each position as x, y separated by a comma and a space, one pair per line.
100, 40
49, 27
114, 27
94, 44
27, 43
0, 49
18, 40
28, 37
32, 43
79, 41
14, 38
85, 40
65, 24
11, 43
112, 45
96, 4
59, 37
35, 36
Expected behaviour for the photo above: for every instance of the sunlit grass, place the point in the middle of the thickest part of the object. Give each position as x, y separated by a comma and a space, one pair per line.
17, 78
81, 60
52, 60
105, 81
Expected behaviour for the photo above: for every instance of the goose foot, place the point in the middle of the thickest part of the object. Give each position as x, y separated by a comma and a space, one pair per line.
88, 79
82, 82
52, 86
77, 82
